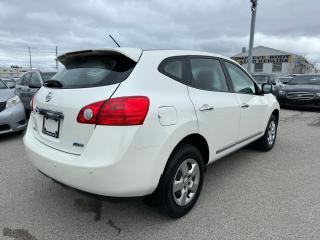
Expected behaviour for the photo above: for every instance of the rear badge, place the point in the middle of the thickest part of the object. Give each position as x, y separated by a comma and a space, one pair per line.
49, 97
78, 144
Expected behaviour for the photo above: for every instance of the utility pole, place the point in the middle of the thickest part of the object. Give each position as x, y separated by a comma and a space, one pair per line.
254, 4
57, 64
30, 65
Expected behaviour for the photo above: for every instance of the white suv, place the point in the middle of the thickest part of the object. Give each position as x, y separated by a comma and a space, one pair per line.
128, 122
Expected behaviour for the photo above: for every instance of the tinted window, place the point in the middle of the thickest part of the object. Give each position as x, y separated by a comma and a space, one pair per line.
173, 68
240, 80
94, 70
47, 75
19, 81
26, 79
35, 80
3, 85
208, 74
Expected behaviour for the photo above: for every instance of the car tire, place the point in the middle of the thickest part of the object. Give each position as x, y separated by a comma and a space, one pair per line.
181, 182
267, 141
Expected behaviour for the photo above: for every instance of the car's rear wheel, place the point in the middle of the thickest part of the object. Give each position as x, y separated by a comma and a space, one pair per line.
266, 142
182, 181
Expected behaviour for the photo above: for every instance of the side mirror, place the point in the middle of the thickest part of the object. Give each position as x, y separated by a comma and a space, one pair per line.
34, 85
266, 88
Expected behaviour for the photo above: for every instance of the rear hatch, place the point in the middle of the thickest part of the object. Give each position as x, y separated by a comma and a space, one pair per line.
89, 76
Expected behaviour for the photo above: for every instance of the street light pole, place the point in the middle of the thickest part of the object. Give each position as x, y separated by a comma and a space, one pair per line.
252, 28
57, 64
30, 65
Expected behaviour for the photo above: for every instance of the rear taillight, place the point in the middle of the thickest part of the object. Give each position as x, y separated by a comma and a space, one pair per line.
122, 111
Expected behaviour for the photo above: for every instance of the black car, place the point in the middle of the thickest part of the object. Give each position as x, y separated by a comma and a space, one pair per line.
29, 83
301, 91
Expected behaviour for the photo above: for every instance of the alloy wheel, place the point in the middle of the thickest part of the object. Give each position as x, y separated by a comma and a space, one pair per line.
271, 132
186, 182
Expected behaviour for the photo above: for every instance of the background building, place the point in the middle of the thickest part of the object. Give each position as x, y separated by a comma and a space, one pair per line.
270, 60
12, 71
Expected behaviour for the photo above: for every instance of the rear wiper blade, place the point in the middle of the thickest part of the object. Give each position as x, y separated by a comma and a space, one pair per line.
53, 83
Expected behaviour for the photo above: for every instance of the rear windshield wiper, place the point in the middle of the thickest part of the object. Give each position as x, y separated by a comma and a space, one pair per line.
52, 83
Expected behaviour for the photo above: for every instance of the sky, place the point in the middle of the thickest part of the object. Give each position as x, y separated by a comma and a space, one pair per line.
220, 26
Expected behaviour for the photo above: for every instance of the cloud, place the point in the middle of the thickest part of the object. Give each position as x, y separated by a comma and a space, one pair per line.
216, 26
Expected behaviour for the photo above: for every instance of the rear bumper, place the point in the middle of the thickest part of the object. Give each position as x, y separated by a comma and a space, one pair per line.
130, 172
13, 119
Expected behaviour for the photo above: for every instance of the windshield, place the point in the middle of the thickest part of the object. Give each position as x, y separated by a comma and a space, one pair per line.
47, 75
261, 78
305, 80
9, 81
3, 85
94, 70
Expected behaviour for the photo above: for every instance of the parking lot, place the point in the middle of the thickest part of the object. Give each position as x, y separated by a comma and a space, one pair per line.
247, 195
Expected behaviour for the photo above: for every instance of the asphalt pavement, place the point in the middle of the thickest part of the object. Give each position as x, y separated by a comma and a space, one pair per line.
247, 195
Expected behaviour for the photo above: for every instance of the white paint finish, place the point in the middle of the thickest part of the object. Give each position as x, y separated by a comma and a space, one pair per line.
129, 160
167, 115
220, 125
253, 117
69, 102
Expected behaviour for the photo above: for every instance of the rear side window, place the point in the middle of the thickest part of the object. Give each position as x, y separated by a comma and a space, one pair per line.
87, 71
173, 68
20, 80
35, 80
26, 79
207, 74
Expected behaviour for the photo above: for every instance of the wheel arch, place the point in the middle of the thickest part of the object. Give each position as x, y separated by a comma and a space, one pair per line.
276, 113
196, 140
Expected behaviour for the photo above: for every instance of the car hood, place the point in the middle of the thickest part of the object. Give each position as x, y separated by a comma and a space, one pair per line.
301, 88
5, 94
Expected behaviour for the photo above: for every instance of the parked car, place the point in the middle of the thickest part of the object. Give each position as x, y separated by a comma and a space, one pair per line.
9, 82
285, 80
268, 78
29, 83
301, 91
126, 122
15, 79
12, 114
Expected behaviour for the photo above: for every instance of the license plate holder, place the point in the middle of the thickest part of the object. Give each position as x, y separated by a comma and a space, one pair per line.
51, 126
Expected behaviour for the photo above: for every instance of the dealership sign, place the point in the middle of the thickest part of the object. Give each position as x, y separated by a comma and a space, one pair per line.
264, 59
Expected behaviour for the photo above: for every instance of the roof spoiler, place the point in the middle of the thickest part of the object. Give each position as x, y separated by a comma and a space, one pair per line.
132, 53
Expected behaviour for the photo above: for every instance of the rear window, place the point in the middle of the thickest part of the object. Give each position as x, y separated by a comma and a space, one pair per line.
87, 71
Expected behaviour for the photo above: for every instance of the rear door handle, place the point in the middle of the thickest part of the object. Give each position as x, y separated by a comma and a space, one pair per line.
206, 107
245, 105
